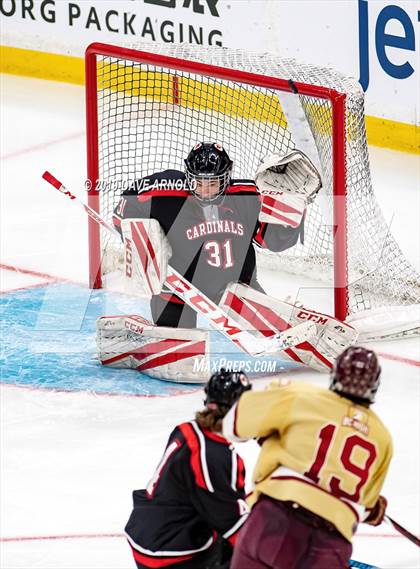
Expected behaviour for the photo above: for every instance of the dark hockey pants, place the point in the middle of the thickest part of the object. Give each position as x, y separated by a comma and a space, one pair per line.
276, 536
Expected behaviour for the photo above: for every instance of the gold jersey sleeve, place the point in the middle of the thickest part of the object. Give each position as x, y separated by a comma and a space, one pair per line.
318, 449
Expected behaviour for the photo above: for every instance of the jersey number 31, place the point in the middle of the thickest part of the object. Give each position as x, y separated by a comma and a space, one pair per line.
220, 254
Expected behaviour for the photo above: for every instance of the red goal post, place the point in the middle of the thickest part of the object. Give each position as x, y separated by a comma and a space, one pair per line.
131, 94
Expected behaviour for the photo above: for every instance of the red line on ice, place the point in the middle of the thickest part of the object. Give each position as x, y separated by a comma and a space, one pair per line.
41, 146
121, 535
51, 537
172, 393
401, 359
30, 272
27, 287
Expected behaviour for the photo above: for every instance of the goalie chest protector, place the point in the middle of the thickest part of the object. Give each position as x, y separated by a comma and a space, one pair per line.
212, 244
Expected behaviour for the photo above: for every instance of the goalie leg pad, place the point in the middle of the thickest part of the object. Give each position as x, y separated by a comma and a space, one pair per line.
173, 354
266, 316
146, 255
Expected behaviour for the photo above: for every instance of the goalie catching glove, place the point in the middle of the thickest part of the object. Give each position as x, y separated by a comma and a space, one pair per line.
287, 184
146, 255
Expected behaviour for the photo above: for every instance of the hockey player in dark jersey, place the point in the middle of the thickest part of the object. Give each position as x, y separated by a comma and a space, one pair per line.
191, 512
206, 225
212, 224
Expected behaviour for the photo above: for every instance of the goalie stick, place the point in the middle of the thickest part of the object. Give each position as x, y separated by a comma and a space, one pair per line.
215, 315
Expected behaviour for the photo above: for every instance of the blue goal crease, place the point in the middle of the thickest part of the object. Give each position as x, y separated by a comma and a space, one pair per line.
49, 342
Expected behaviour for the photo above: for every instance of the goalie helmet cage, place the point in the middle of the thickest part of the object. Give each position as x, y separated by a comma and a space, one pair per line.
146, 109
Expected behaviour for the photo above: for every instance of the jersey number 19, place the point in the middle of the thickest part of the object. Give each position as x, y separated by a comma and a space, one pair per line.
325, 436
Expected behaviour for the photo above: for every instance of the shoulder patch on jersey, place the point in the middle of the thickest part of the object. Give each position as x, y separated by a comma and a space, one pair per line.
162, 193
242, 186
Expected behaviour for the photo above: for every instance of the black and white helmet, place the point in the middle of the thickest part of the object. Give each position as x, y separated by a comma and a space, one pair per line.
208, 162
225, 387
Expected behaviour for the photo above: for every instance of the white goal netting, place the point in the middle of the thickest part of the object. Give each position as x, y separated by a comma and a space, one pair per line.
149, 117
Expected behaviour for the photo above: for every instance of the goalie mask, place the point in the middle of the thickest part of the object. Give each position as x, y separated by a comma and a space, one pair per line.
356, 374
225, 387
208, 169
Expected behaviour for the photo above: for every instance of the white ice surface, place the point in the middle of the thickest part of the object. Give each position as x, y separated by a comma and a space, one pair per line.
11, 280
71, 460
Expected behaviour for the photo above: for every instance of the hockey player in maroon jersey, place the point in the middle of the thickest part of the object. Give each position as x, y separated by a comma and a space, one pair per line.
323, 460
193, 507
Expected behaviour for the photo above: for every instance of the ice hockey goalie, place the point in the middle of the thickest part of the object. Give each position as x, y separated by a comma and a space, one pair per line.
207, 225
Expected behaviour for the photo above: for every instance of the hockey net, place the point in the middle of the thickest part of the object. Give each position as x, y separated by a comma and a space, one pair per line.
146, 109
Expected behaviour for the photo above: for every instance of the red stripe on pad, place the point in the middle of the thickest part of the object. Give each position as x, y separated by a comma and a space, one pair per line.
190, 351
148, 350
149, 247
142, 252
273, 202
238, 305
278, 323
310, 348
282, 325
280, 217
